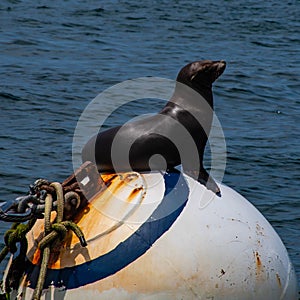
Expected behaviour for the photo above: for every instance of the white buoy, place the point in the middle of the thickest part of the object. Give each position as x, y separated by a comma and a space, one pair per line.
150, 240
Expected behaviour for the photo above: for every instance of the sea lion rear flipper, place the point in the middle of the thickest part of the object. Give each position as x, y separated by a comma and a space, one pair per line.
210, 185
206, 180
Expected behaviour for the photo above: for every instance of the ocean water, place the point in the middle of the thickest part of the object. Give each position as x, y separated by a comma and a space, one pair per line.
57, 56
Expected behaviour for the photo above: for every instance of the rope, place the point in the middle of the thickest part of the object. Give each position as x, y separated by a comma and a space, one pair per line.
60, 201
17, 234
46, 251
67, 199
53, 232
70, 197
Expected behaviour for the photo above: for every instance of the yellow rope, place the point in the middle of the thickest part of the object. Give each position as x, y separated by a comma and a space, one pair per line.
60, 200
53, 231
46, 251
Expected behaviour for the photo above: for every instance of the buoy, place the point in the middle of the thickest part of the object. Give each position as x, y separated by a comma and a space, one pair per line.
164, 236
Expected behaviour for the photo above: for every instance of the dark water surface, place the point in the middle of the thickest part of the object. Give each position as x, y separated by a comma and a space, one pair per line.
56, 56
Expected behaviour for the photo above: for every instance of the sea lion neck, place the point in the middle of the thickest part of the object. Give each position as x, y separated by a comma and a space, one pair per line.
187, 97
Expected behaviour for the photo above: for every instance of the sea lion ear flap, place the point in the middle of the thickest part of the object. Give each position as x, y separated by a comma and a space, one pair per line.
193, 76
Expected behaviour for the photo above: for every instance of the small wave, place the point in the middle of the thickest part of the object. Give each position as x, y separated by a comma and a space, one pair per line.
23, 43
90, 12
43, 7
10, 96
262, 44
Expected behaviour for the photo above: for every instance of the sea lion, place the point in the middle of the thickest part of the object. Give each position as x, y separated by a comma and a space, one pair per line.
191, 106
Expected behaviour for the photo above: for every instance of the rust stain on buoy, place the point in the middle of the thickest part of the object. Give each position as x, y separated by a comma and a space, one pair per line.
278, 280
126, 187
258, 261
134, 193
260, 268
107, 178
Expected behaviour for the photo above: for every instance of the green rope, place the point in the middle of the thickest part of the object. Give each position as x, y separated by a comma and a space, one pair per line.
47, 213
17, 234
55, 231
52, 232
60, 200
76, 229
60, 230
46, 251
43, 272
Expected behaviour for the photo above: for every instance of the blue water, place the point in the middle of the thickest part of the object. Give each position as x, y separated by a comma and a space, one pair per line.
56, 56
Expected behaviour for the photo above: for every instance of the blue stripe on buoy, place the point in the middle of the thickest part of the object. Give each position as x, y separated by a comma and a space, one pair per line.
171, 206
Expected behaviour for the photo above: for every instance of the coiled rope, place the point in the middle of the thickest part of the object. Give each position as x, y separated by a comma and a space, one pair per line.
57, 230
53, 232
67, 199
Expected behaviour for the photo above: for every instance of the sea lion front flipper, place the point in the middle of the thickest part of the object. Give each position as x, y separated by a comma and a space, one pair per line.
204, 178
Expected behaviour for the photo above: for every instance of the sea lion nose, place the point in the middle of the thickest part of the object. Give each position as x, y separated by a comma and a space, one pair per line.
221, 65
222, 62
218, 68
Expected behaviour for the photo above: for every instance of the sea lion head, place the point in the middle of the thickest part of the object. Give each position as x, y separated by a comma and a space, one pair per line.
201, 74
